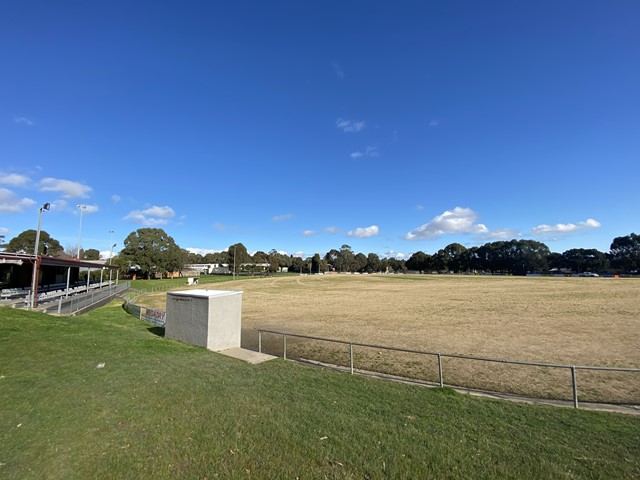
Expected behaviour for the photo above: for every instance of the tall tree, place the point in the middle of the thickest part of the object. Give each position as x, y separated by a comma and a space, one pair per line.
25, 242
584, 260
373, 263
360, 262
90, 254
345, 259
625, 253
237, 255
153, 250
316, 263
419, 261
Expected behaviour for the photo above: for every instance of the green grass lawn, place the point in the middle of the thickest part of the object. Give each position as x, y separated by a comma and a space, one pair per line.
161, 409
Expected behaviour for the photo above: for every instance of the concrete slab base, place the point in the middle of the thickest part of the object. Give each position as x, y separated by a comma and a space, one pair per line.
248, 356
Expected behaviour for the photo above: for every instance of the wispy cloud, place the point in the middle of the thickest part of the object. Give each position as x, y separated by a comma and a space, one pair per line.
67, 188
332, 230
434, 123
14, 179
11, 203
24, 121
309, 233
565, 228
500, 234
4, 230
366, 232
459, 220
337, 70
349, 126
152, 216
116, 198
369, 152
419, 207
219, 227
283, 218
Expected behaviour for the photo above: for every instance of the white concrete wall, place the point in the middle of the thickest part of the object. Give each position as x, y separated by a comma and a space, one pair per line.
206, 318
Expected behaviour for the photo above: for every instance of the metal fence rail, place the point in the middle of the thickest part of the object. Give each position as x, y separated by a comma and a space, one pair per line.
77, 303
439, 356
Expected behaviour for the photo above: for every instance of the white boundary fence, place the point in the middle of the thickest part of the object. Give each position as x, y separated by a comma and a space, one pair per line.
438, 356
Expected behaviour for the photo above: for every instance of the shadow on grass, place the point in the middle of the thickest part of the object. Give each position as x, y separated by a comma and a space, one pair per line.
159, 331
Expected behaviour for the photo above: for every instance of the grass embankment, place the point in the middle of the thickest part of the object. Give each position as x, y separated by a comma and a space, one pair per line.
161, 409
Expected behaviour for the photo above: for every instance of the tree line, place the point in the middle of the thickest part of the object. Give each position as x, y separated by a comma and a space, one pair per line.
151, 251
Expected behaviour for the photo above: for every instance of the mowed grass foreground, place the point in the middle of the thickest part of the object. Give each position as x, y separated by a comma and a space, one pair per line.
569, 321
102, 396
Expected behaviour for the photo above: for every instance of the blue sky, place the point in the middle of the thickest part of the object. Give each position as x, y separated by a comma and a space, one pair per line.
301, 126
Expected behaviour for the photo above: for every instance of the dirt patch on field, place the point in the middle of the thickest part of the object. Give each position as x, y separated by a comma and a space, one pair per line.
573, 321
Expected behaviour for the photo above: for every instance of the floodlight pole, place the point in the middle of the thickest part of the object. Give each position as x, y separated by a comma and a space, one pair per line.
34, 277
82, 208
113, 245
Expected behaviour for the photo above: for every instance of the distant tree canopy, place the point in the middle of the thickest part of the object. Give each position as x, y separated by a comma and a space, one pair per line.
26, 242
152, 250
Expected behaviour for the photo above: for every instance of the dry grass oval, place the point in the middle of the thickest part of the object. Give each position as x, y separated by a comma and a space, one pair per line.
576, 321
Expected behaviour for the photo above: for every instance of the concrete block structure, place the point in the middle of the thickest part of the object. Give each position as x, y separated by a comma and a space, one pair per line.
206, 318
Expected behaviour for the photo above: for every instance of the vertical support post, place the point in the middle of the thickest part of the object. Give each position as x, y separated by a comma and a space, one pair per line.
574, 384
59, 305
440, 379
259, 341
351, 357
284, 346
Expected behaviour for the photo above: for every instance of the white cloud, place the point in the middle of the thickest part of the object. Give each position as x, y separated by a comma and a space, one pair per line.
332, 230
116, 198
337, 70
10, 203
85, 209
152, 216
4, 230
434, 123
459, 220
348, 126
14, 179
396, 255
106, 254
565, 228
419, 207
67, 188
202, 251
24, 121
369, 152
308, 233
219, 227
366, 232
282, 218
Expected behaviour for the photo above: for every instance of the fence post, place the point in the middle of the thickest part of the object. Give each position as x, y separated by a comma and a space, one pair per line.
59, 305
351, 357
259, 341
284, 346
574, 384
440, 371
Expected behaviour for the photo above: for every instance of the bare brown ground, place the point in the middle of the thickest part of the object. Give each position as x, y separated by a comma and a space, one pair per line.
573, 321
